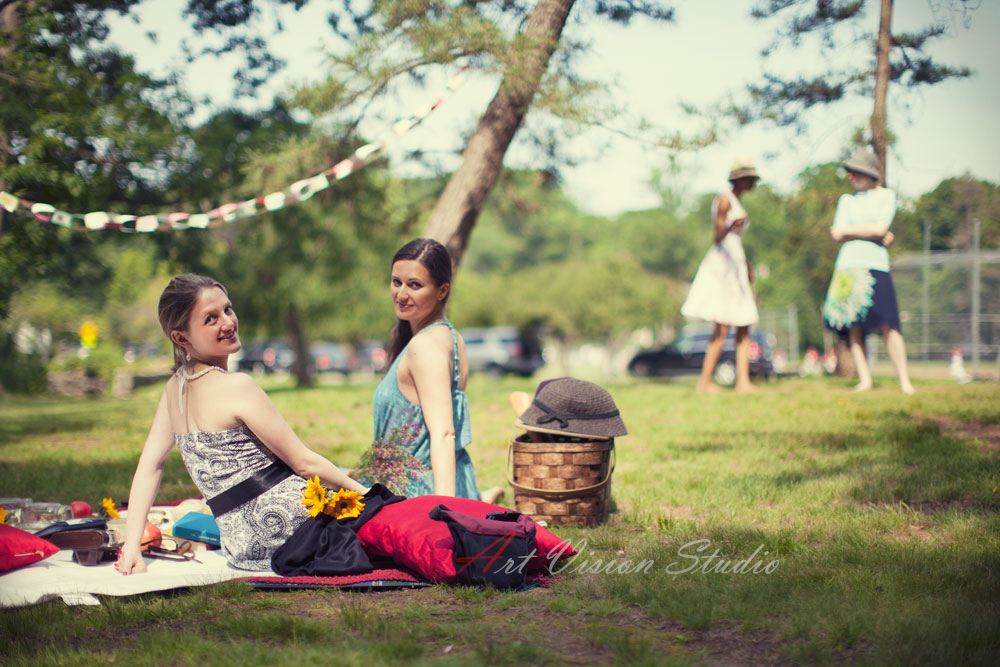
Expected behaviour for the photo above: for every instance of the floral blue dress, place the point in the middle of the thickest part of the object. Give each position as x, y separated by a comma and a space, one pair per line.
393, 410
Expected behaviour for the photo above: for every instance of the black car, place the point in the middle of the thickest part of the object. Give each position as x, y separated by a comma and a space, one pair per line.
686, 354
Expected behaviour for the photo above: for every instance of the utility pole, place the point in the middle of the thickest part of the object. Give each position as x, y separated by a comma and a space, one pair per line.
925, 297
974, 285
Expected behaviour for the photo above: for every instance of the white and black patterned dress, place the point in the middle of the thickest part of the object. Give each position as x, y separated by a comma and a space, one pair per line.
250, 533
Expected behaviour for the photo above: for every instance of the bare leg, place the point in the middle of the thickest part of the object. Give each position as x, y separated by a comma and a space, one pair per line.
492, 495
896, 348
857, 339
712, 354
743, 360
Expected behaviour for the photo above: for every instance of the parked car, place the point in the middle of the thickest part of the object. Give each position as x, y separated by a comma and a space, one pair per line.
686, 354
265, 358
333, 358
502, 350
372, 356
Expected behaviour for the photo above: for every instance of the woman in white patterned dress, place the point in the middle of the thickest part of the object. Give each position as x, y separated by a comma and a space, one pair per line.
721, 291
240, 452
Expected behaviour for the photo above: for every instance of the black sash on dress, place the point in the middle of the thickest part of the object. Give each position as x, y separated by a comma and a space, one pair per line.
250, 488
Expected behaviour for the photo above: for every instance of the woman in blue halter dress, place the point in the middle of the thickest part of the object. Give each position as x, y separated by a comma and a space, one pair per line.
425, 381
394, 410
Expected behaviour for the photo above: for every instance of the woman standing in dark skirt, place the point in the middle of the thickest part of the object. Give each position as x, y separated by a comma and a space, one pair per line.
861, 298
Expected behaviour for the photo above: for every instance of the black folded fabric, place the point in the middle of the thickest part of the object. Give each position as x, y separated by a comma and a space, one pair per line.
326, 547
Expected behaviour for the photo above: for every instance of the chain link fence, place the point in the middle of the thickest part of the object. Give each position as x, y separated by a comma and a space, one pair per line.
950, 301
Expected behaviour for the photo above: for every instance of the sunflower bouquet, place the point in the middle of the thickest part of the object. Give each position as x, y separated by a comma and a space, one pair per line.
342, 504
108, 508
389, 461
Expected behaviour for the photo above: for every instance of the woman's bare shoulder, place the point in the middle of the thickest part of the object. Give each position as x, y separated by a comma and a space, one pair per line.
430, 343
238, 382
434, 336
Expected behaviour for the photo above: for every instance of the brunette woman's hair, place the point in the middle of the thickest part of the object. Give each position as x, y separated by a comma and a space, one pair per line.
435, 258
177, 302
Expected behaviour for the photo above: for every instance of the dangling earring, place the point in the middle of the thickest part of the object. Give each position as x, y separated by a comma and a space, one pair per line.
187, 356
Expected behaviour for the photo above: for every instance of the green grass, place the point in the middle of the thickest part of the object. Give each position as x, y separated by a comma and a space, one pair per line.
885, 530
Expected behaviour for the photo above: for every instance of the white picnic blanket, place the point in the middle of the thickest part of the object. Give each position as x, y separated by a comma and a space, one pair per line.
60, 577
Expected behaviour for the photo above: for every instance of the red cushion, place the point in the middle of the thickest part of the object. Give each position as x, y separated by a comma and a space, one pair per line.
19, 547
403, 532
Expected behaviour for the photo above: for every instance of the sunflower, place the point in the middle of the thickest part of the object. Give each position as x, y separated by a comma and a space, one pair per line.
345, 504
314, 496
109, 508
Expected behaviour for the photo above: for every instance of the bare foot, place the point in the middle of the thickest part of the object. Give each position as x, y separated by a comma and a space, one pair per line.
708, 388
746, 388
492, 496
863, 386
908, 388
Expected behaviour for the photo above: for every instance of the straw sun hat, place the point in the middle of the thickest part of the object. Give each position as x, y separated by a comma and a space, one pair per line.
571, 407
863, 161
743, 167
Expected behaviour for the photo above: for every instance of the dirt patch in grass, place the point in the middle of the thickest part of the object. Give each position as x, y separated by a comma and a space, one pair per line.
571, 638
985, 434
914, 531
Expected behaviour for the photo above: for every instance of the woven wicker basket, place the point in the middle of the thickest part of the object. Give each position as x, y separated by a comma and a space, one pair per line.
562, 483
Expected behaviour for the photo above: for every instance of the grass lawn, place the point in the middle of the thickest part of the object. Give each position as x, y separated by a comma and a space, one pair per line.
880, 511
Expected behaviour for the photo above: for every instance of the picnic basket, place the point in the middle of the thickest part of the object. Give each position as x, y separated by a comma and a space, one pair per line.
565, 482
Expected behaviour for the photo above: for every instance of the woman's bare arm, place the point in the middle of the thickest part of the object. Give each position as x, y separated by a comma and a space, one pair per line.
429, 360
145, 484
253, 407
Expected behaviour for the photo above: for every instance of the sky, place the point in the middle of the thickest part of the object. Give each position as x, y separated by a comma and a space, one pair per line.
711, 50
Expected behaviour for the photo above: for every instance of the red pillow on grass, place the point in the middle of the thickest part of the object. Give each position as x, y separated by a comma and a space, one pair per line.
403, 532
19, 547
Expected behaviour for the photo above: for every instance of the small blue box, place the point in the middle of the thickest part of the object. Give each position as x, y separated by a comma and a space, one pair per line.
197, 526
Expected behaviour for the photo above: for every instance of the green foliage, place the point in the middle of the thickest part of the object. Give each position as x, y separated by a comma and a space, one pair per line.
536, 259
949, 209
20, 373
101, 361
80, 129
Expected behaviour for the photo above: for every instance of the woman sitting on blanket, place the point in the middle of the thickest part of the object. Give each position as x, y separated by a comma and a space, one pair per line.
238, 449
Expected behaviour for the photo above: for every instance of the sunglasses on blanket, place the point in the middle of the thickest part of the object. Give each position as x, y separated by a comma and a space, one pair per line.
170, 549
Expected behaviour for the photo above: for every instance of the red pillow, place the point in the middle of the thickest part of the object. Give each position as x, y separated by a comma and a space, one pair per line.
403, 532
19, 547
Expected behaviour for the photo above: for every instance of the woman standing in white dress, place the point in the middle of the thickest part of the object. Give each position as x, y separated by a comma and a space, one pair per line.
721, 291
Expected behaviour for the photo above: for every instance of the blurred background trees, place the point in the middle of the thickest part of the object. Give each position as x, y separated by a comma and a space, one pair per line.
82, 129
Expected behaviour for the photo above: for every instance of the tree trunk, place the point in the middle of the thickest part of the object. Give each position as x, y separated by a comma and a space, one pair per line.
880, 131
300, 367
463, 198
8, 24
845, 362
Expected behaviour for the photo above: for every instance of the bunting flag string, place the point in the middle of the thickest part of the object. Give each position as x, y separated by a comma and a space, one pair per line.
297, 192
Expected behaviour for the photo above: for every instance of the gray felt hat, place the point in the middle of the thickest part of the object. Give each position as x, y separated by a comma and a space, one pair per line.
571, 407
863, 161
